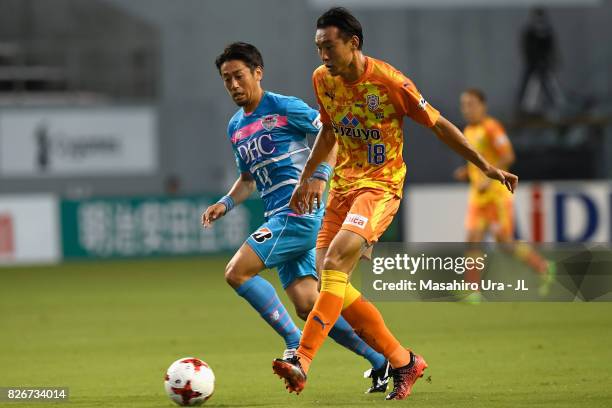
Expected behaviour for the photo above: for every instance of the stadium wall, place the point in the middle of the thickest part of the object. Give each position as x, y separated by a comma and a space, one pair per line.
544, 212
29, 229
44, 229
442, 50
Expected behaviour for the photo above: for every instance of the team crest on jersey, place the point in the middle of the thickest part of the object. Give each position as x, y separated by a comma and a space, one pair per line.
262, 234
373, 102
269, 122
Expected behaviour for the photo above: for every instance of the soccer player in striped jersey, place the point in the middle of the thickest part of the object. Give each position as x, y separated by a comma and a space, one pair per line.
362, 102
490, 205
268, 137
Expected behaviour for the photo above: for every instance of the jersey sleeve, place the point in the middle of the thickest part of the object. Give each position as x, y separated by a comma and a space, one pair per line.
323, 115
414, 105
498, 138
303, 117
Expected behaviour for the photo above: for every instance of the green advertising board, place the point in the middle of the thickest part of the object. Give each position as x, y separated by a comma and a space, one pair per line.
158, 226
152, 226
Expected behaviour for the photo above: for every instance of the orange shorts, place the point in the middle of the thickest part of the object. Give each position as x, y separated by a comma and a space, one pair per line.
496, 217
366, 212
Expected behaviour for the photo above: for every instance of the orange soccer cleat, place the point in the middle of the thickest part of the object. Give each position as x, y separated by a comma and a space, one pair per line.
291, 371
405, 377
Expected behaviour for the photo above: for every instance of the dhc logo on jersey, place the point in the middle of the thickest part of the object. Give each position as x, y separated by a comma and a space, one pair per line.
255, 148
348, 127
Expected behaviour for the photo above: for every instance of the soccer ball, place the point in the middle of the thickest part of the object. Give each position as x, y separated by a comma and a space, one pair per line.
189, 382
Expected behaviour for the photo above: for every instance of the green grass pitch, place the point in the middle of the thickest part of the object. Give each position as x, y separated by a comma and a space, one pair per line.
108, 330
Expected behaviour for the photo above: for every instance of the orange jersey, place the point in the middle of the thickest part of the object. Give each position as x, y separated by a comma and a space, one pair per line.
367, 117
490, 140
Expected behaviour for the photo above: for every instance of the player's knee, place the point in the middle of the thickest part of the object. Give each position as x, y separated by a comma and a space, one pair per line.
334, 260
303, 312
304, 305
233, 276
504, 237
474, 236
304, 308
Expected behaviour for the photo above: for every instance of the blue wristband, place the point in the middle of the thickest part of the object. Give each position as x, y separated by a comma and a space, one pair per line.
228, 202
323, 172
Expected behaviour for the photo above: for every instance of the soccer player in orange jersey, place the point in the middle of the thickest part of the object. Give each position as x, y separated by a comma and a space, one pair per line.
362, 102
490, 205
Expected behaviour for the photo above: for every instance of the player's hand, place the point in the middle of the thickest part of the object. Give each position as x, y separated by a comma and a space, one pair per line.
212, 214
506, 178
461, 173
318, 189
306, 197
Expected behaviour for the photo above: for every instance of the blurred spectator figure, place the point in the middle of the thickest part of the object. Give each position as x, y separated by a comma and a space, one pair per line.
541, 58
172, 185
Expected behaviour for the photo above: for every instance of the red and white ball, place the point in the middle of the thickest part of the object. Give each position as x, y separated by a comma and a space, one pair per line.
189, 382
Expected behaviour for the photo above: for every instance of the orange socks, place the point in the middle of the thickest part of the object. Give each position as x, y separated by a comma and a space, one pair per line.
323, 316
338, 296
527, 254
370, 326
320, 321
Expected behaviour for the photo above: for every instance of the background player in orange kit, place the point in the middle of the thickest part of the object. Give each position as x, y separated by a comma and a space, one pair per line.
490, 205
362, 102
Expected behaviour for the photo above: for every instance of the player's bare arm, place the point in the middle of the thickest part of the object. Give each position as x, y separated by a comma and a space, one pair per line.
310, 190
240, 191
453, 138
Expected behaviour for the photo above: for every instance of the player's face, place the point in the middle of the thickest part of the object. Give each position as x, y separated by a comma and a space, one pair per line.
472, 108
335, 53
241, 83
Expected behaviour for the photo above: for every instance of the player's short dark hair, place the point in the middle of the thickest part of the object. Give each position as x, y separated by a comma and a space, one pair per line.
247, 53
479, 94
346, 23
